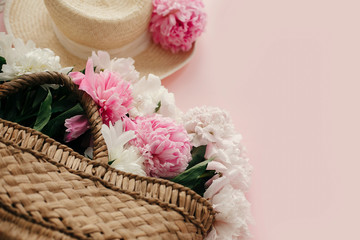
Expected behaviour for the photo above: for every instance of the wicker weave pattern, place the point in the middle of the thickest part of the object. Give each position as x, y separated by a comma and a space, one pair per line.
35, 187
14, 227
163, 192
47, 187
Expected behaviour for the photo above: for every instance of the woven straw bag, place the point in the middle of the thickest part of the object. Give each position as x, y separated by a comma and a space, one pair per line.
48, 191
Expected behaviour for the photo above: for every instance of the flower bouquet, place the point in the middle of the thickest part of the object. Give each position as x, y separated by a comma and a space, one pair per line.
145, 133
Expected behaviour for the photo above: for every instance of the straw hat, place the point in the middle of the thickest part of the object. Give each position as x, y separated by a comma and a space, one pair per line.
73, 28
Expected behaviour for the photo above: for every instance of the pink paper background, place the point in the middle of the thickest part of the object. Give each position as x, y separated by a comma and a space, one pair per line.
288, 73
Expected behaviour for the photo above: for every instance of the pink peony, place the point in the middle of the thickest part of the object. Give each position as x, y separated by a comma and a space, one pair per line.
76, 126
163, 143
108, 89
176, 24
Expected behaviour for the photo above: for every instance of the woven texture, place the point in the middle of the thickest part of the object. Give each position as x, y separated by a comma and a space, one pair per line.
101, 24
38, 28
48, 191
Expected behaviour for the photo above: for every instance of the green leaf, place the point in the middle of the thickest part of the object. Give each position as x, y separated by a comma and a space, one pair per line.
200, 186
11, 111
197, 154
2, 62
58, 122
44, 113
26, 117
196, 174
191, 176
39, 97
158, 107
26, 100
19, 103
62, 105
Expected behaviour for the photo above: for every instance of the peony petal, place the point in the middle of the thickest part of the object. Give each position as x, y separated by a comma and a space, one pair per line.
163, 156
111, 93
76, 126
176, 25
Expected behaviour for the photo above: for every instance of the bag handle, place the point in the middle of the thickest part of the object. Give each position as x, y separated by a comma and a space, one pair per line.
91, 109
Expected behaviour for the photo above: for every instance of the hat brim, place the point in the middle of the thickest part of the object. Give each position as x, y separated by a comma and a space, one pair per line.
30, 20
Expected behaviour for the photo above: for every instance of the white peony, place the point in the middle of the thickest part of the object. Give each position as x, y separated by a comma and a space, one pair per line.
125, 157
213, 127
209, 125
231, 163
148, 95
233, 214
123, 66
24, 58
226, 193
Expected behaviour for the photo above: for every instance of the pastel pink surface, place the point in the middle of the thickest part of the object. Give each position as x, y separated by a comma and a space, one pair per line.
287, 71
